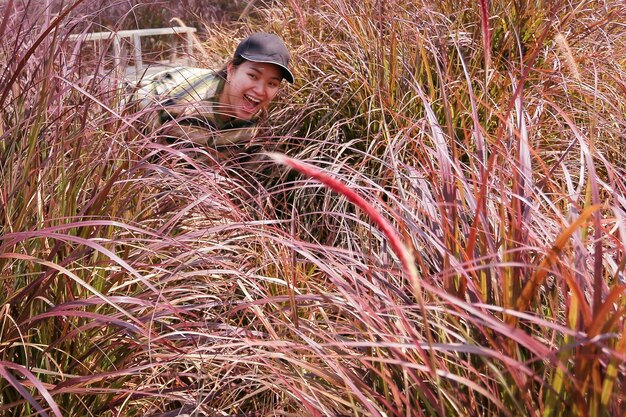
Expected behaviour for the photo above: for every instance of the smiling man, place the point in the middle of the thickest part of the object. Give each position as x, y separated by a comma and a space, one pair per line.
219, 110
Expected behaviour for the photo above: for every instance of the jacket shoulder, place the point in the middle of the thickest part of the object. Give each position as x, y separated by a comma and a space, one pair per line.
182, 84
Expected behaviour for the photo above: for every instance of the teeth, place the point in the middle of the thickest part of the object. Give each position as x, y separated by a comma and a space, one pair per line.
252, 99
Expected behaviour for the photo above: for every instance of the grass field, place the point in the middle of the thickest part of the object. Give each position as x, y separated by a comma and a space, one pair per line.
438, 230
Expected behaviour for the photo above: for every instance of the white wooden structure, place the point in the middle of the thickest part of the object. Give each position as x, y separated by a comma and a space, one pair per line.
135, 42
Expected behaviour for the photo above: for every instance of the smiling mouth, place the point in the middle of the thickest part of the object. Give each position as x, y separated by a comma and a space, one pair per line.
250, 103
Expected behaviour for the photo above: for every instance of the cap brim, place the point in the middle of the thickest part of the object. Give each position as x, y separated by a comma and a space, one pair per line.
287, 75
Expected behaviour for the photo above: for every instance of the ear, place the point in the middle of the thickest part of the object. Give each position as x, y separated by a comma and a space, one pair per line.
229, 70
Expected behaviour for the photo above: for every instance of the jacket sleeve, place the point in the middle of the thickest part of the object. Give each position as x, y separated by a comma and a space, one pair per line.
197, 123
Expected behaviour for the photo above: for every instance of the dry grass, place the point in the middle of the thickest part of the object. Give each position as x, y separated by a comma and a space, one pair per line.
480, 272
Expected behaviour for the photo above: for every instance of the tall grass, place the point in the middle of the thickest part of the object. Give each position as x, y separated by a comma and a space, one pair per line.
142, 280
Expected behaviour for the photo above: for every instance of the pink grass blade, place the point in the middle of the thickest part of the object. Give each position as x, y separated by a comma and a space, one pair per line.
4, 372
402, 251
520, 130
484, 25
398, 246
75, 278
599, 286
42, 37
19, 236
441, 144
531, 286
8, 7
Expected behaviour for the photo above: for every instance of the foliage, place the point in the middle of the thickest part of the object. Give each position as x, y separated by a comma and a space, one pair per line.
139, 280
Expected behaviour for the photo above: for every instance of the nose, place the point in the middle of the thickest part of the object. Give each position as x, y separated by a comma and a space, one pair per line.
260, 89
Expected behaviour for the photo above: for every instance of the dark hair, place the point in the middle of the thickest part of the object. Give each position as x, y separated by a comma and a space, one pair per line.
235, 62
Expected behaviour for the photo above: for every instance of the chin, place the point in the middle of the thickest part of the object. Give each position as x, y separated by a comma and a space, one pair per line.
245, 115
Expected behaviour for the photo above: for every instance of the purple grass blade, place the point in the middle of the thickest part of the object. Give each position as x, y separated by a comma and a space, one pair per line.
4, 372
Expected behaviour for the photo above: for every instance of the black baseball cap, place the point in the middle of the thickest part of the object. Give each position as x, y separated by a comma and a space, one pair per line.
268, 48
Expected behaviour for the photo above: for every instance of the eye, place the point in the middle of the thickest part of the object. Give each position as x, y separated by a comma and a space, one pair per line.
252, 75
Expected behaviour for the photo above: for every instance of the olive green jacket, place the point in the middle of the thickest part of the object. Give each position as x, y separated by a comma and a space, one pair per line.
186, 100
